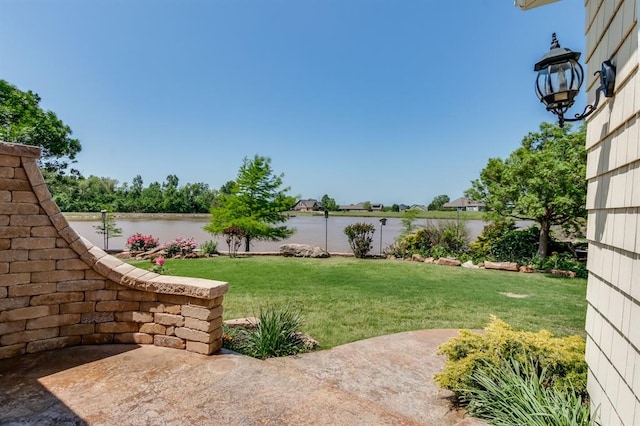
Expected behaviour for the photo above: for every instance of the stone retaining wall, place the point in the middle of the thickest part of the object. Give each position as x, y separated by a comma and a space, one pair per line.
57, 289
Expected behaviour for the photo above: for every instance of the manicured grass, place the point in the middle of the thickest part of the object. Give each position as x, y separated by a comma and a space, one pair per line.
346, 299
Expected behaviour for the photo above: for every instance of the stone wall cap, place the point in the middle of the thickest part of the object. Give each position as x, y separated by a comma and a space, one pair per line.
193, 287
19, 150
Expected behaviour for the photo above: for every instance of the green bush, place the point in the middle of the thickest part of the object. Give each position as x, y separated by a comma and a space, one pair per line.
360, 236
517, 245
516, 393
480, 248
562, 357
209, 247
563, 262
447, 238
277, 334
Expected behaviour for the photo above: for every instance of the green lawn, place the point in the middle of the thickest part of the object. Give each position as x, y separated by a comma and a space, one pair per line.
346, 299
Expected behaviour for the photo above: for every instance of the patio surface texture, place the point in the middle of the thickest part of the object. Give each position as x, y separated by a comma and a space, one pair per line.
385, 380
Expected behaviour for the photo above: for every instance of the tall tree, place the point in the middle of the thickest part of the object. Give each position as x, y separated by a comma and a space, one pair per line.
543, 180
23, 121
257, 204
329, 203
438, 202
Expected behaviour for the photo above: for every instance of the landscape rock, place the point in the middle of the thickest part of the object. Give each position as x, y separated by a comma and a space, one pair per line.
527, 269
417, 257
302, 250
249, 323
430, 260
560, 273
502, 266
447, 261
309, 342
469, 264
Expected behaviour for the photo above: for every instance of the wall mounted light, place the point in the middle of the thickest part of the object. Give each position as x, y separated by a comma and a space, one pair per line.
560, 77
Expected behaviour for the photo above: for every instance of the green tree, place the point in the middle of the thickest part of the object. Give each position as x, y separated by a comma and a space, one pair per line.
257, 204
329, 203
23, 121
543, 181
108, 229
438, 202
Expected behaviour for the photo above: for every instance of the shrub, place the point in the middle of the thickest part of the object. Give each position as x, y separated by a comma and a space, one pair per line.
360, 236
515, 393
180, 247
447, 238
480, 249
209, 247
562, 357
563, 262
518, 245
277, 334
139, 242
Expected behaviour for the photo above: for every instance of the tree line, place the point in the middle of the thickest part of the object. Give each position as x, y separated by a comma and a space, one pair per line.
76, 193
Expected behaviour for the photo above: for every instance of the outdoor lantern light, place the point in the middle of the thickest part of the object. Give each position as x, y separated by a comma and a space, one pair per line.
560, 77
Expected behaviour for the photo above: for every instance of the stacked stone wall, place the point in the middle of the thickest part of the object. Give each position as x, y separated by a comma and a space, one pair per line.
57, 289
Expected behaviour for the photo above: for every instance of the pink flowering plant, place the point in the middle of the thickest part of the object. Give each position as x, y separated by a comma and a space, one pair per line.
157, 265
180, 246
139, 242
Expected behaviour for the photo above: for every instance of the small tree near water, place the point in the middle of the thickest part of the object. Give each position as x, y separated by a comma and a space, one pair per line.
360, 236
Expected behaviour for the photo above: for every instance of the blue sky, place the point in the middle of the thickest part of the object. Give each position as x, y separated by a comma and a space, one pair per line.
392, 101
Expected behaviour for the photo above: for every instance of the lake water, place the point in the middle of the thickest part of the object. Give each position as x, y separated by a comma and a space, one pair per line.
309, 230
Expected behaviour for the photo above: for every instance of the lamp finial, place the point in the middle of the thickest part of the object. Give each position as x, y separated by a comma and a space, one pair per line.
554, 42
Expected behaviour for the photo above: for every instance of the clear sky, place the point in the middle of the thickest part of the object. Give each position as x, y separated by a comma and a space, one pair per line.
392, 101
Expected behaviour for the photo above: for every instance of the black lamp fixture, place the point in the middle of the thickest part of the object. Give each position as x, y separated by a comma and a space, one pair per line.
560, 77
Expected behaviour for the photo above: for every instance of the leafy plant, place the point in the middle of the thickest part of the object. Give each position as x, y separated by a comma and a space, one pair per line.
562, 357
360, 236
518, 245
517, 393
563, 262
139, 242
447, 238
277, 334
157, 265
209, 247
180, 247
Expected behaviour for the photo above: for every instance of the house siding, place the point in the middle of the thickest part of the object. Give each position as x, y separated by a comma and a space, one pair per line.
613, 227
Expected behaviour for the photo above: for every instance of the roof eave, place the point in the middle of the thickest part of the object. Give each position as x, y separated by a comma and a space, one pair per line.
530, 4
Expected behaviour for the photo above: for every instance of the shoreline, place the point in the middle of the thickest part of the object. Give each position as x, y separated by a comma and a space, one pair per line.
94, 216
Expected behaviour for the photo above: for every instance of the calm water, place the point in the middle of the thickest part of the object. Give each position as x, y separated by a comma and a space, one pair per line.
309, 230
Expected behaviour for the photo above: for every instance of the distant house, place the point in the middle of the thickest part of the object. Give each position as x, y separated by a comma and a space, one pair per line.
465, 204
307, 206
419, 207
377, 207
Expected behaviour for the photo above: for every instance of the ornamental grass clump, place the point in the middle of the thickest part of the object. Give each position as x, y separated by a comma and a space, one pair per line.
515, 393
276, 334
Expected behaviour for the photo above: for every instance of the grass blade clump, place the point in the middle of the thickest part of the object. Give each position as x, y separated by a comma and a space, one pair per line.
277, 334
518, 393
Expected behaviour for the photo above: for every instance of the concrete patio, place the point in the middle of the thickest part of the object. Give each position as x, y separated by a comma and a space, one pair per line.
383, 380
